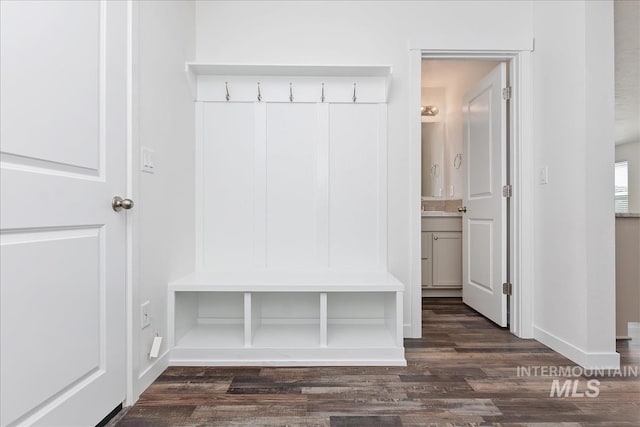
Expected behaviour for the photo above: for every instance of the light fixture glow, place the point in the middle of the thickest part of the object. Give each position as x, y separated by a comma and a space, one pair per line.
429, 110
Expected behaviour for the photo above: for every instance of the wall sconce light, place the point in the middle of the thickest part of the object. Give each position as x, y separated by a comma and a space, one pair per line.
429, 110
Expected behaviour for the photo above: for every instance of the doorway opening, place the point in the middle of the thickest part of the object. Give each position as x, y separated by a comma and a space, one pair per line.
464, 233
473, 157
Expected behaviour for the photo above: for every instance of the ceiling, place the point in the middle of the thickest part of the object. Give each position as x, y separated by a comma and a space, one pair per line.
627, 60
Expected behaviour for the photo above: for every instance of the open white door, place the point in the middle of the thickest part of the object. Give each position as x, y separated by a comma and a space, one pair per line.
484, 223
63, 158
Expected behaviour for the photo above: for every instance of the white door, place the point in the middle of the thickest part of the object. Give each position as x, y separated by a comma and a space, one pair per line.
484, 223
63, 157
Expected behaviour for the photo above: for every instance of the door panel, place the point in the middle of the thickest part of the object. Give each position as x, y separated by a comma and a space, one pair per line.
484, 224
62, 247
52, 50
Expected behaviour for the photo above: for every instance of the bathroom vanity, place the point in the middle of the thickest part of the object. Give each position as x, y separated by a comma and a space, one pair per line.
441, 254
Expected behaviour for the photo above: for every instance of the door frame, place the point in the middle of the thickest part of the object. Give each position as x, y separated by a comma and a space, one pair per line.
521, 177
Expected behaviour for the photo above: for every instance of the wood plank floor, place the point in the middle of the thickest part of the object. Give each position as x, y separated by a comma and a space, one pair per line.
463, 372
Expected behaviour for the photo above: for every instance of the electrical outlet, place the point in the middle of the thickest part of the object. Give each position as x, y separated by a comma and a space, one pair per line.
145, 315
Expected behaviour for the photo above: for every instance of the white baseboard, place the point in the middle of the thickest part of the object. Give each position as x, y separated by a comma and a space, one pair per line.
583, 358
149, 375
291, 363
442, 293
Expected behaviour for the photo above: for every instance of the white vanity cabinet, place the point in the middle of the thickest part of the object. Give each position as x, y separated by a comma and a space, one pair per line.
442, 255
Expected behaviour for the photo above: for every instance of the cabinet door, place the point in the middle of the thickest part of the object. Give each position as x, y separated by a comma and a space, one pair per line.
447, 260
427, 270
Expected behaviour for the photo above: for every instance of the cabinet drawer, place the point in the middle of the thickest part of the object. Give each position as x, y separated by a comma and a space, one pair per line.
442, 224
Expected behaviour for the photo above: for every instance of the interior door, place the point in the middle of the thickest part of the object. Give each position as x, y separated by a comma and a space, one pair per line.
63, 157
484, 223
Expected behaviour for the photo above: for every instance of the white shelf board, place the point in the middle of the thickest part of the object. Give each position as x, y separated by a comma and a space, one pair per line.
341, 335
288, 70
287, 336
213, 336
287, 282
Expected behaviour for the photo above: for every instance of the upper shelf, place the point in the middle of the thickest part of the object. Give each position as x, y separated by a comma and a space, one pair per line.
288, 70
288, 83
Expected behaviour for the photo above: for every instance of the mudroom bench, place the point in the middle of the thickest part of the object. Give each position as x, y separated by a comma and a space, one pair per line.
286, 319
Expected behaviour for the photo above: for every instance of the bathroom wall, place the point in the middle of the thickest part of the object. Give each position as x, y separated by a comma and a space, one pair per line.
631, 153
455, 78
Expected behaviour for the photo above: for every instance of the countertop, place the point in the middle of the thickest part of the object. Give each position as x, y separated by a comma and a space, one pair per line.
628, 215
440, 214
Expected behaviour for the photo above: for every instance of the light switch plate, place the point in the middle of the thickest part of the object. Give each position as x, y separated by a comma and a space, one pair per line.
543, 175
147, 160
145, 315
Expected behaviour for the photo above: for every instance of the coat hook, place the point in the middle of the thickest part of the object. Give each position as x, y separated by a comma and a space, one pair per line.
226, 88
322, 96
259, 94
354, 93
290, 92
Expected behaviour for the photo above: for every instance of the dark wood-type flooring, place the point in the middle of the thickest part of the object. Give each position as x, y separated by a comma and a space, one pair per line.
463, 372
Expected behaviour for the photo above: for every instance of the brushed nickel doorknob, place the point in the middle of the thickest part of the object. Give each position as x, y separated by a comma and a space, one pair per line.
118, 203
462, 209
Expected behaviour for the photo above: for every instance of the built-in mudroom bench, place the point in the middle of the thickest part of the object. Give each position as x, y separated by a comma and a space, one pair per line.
286, 318
291, 221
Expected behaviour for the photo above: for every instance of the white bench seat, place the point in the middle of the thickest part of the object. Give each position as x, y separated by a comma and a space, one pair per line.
286, 319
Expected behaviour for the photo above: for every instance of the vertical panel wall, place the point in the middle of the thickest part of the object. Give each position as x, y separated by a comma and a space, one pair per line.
295, 186
356, 192
227, 185
291, 168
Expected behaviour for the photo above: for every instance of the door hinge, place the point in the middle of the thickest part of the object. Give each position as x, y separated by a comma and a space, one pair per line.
507, 190
507, 288
506, 93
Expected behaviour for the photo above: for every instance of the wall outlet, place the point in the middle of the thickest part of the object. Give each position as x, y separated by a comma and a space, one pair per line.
145, 315
147, 160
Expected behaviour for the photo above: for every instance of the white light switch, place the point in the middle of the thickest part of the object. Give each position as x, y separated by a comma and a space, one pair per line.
543, 175
147, 161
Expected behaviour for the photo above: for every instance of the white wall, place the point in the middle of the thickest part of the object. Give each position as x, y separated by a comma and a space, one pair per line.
353, 32
631, 153
574, 287
457, 78
164, 38
574, 290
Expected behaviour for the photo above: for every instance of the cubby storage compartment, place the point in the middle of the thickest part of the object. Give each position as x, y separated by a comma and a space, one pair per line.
209, 320
362, 320
285, 320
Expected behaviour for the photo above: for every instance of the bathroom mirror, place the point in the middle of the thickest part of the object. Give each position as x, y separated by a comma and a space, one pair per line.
433, 167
